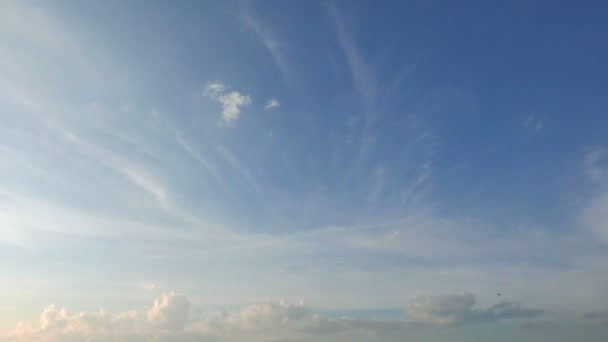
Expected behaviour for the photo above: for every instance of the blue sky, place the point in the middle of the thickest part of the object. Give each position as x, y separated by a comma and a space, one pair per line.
302, 170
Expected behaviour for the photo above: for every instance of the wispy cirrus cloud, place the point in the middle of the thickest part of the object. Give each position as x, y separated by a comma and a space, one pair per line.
364, 77
136, 175
237, 165
268, 39
232, 101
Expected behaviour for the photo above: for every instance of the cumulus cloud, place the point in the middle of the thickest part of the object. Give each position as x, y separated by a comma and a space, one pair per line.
459, 310
56, 324
231, 101
168, 320
170, 312
257, 317
271, 104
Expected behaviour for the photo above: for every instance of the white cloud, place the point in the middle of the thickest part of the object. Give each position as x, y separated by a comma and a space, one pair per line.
269, 40
168, 321
145, 183
441, 309
57, 324
458, 310
209, 166
271, 104
595, 214
231, 101
256, 317
393, 235
363, 75
533, 123
215, 89
229, 157
595, 211
136, 175
170, 312
592, 161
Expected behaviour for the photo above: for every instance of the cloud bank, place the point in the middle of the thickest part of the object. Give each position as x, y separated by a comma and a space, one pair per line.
170, 319
170, 312
458, 310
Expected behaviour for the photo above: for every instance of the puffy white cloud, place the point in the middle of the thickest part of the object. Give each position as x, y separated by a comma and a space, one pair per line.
231, 101
458, 310
271, 104
215, 89
257, 317
262, 316
170, 312
56, 324
167, 320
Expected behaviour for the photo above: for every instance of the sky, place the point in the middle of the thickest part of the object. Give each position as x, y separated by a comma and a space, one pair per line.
303, 170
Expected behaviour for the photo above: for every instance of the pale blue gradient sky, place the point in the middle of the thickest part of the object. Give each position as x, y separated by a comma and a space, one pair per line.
359, 155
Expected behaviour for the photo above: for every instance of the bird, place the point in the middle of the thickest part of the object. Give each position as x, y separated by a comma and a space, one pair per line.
498, 294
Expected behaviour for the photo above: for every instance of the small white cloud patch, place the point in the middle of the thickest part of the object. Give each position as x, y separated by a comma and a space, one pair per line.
532, 123
393, 235
231, 101
271, 104
593, 163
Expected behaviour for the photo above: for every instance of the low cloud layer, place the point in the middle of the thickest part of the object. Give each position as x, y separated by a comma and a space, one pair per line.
170, 312
459, 310
170, 319
254, 318
56, 324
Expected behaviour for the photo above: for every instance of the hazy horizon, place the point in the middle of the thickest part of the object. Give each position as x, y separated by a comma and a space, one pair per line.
303, 171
